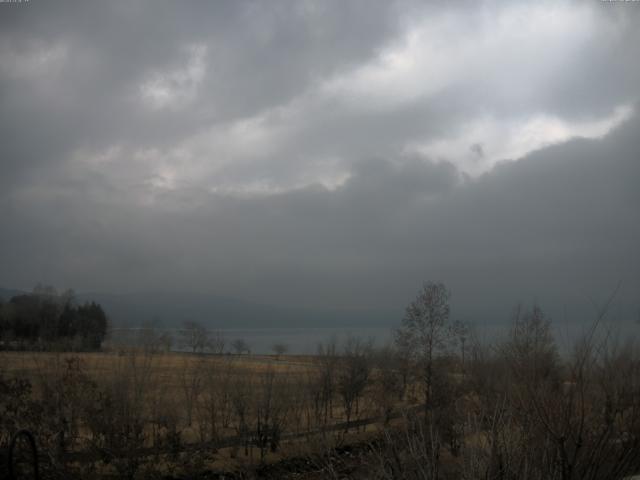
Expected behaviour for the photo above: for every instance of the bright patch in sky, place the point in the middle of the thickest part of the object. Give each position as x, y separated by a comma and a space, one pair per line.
177, 87
486, 141
525, 44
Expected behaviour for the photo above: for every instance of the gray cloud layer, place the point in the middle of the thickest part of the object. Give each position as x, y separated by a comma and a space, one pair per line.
323, 154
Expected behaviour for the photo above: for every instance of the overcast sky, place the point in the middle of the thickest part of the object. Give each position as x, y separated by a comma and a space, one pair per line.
323, 153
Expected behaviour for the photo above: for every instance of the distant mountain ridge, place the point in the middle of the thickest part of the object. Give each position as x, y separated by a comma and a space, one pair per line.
170, 309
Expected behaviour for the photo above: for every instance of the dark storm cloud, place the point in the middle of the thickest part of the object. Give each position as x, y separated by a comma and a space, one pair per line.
560, 225
318, 153
71, 72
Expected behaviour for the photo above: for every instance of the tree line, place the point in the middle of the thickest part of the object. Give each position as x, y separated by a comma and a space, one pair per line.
47, 319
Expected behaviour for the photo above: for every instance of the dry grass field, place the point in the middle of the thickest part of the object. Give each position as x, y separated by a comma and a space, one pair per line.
235, 410
512, 410
167, 367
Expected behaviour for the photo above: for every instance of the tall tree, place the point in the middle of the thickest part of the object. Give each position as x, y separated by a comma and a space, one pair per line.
426, 332
353, 374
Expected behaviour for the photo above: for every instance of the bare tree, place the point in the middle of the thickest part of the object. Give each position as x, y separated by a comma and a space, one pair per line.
191, 382
387, 381
152, 339
327, 361
195, 336
241, 408
462, 332
116, 415
148, 337
217, 342
426, 332
353, 375
531, 348
240, 346
279, 349
407, 452
271, 398
213, 407
571, 420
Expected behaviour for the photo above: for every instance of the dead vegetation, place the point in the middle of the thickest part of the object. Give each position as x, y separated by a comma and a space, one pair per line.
515, 409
